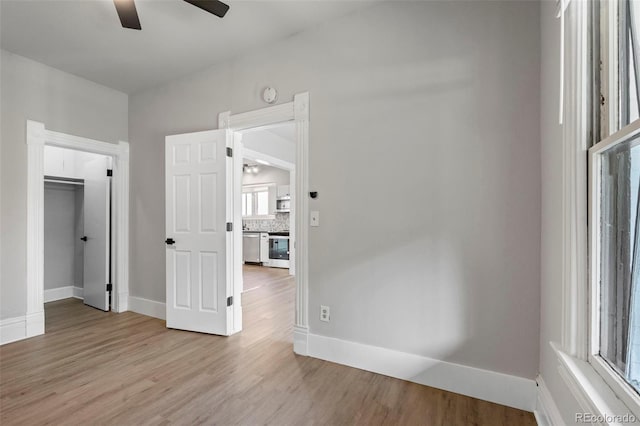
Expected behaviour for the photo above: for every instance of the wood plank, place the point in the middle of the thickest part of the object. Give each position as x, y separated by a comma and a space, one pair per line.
105, 368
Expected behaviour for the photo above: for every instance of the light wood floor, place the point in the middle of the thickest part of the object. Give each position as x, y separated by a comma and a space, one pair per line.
93, 367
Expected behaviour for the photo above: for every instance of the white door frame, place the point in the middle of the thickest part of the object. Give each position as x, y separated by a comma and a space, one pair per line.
297, 112
37, 137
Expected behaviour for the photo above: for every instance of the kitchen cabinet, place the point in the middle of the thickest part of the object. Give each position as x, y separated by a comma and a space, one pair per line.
284, 191
60, 162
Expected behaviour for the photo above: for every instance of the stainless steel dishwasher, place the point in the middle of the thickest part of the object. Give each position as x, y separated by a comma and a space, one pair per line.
251, 247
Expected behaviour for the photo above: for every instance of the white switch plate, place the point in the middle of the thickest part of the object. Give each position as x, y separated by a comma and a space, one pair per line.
315, 218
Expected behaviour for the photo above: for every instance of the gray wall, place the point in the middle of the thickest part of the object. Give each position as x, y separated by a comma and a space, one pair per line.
551, 249
61, 222
425, 151
64, 103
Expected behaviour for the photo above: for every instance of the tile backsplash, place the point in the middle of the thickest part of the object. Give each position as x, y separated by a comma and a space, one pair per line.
279, 224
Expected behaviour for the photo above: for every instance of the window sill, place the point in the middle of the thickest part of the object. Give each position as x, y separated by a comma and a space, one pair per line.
590, 390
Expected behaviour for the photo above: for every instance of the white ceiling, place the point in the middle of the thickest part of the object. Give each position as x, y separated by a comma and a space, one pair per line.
85, 37
285, 131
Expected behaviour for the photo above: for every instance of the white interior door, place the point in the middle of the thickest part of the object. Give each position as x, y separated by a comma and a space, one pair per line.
199, 248
96, 232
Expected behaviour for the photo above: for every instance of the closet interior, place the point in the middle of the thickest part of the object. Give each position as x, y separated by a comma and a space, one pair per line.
77, 226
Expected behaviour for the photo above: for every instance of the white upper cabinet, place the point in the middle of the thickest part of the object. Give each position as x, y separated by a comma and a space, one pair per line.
283, 191
60, 162
67, 163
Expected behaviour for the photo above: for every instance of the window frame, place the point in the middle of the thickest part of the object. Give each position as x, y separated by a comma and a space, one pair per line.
254, 189
620, 387
597, 388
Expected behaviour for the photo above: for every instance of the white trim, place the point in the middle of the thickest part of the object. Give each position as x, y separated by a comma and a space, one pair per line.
581, 377
621, 388
78, 293
301, 340
53, 294
148, 307
66, 292
233, 252
588, 388
257, 118
628, 132
546, 412
585, 375
615, 382
19, 328
300, 234
12, 329
37, 138
574, 205
64, 140
120, 183
35, 219
512, 391
236, 218
298, 112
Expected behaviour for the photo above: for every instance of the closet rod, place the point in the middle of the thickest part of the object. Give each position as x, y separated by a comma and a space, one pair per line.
70, 182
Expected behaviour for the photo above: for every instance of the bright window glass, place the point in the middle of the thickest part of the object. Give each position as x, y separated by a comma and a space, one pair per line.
262, 203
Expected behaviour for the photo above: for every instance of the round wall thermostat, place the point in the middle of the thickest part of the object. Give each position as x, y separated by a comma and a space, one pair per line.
270, 95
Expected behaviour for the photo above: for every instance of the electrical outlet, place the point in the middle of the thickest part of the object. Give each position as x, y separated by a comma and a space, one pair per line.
325, 313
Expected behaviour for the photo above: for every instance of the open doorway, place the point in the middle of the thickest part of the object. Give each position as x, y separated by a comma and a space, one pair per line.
203, 217
240, 125
37, 137
77, 226
268, 205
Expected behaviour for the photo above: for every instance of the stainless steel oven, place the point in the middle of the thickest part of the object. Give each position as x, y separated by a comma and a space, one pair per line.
279, 249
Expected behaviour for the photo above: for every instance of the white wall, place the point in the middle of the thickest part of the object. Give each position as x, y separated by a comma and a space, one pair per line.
551, 243
425, 151
266, 174
65, 103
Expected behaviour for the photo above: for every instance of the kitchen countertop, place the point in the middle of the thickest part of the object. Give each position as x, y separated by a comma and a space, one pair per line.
265, 232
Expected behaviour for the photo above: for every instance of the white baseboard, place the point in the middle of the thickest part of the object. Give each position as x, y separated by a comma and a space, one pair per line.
78, 293
18, 328
147, 307
12, 329
546, 412
300, 340
512, 391
122, 302
53, 294
66, 292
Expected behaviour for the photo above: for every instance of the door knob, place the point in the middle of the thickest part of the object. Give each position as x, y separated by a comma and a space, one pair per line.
170, 241
84, 238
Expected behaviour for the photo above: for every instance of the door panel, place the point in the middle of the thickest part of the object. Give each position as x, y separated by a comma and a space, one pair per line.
198, 193
96, 229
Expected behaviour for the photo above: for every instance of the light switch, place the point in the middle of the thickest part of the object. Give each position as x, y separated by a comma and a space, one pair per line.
315, 218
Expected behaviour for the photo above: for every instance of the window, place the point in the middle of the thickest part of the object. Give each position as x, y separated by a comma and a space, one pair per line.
255, 201
615, 196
